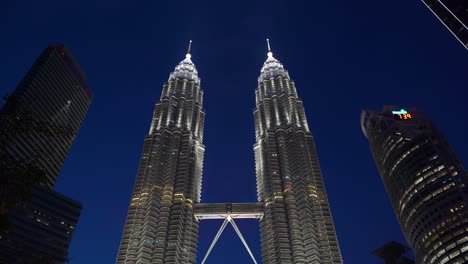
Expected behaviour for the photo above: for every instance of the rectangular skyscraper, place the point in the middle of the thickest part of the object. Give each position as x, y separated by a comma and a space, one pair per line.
40, 231
426, 183
454, 15
38, 125
297, 226
45, 111
160, 225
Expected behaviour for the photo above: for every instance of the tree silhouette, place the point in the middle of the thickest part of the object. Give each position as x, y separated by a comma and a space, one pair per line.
18, 175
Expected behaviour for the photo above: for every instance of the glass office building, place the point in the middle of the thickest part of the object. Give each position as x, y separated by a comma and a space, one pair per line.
45, 111
426, 183
38, 125
41, 230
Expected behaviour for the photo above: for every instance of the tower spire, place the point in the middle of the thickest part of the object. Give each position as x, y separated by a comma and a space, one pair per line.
188, 51
270, 54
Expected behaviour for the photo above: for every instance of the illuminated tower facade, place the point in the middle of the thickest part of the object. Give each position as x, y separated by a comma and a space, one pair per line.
297, 226
426, 183
160, 225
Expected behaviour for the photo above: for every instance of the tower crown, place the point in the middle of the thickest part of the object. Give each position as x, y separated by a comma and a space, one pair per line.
272, 68
186, 69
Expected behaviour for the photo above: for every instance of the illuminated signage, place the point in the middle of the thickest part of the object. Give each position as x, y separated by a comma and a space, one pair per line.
402, 114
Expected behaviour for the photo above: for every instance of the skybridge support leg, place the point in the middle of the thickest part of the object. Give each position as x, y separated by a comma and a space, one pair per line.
220, 231
227, 220
241, 238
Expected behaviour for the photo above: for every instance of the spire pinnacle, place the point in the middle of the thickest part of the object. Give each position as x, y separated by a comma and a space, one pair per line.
270, 54
188, 56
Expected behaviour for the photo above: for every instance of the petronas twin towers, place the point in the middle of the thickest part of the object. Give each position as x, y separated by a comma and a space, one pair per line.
295, 219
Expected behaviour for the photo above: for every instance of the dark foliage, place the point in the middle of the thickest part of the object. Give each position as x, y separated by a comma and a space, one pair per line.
19, 175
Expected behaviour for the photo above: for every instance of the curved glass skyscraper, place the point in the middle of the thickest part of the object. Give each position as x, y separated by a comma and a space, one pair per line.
426, 183
297, 226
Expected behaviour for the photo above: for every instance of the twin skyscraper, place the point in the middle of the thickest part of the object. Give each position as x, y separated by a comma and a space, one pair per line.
295, 220
426, 183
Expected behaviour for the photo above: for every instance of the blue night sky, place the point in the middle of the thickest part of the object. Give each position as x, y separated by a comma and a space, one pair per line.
344, 56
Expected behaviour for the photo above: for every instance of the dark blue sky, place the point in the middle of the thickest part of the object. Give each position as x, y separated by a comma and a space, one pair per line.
343, 55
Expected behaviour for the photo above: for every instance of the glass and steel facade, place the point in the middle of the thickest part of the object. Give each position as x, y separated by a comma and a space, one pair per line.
41, 230
454, 15
160, 226
426, 183
52, 99
297, 225
38, 125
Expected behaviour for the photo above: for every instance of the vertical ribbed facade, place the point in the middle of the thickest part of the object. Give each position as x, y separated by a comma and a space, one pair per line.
426, 183
47, 108
38, 125
160, 225
297, 226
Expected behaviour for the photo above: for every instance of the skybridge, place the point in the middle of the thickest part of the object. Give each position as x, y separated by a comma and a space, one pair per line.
228, 212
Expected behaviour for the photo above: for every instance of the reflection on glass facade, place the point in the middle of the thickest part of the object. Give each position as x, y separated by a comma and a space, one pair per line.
160, 225
426, 183
454, 15
297, 225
